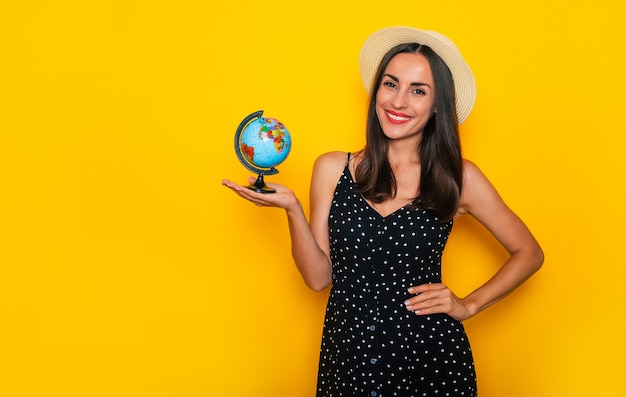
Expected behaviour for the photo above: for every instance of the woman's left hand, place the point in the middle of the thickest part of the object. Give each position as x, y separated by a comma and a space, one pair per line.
437, 298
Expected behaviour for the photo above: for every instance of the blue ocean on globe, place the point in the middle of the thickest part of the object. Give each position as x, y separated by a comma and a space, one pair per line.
265, 142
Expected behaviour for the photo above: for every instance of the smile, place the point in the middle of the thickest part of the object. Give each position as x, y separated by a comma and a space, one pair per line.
397, 118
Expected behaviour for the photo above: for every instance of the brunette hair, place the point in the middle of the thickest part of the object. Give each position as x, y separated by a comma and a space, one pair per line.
441, 175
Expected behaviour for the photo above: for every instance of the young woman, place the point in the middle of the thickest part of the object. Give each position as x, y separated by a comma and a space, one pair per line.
379, 222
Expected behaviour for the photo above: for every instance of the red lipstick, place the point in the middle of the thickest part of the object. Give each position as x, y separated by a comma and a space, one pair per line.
397, 118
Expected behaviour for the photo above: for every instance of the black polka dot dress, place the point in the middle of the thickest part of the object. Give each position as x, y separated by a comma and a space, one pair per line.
371, 344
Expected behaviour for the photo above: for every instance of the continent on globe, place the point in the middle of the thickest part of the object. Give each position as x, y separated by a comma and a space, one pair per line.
265, 142
248, 152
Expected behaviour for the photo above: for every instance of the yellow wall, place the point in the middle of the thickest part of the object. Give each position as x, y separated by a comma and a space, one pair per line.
126, 269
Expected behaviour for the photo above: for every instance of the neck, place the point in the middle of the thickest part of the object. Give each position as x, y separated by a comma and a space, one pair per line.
402, 153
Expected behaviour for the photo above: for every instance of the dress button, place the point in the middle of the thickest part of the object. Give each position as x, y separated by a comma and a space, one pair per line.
372, 327
373, 361
373, 394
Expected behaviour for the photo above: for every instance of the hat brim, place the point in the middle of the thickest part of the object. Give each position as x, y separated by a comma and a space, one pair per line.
379, 43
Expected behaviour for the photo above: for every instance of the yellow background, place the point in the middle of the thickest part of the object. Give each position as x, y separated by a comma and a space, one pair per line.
127, 269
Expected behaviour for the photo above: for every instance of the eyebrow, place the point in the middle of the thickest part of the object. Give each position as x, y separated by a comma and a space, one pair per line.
414, 84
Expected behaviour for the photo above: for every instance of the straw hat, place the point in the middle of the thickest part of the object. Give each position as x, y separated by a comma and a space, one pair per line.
379, 43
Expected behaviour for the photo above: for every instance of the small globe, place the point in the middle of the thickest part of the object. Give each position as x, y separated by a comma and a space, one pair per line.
262, 143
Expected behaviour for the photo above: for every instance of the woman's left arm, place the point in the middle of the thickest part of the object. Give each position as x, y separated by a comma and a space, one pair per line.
481, 200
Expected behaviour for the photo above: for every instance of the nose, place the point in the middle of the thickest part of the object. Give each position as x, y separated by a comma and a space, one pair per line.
399, 100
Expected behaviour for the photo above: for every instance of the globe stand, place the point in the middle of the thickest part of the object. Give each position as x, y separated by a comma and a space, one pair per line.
260, 187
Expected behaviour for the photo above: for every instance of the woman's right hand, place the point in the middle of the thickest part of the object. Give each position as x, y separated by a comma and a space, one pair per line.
282, 198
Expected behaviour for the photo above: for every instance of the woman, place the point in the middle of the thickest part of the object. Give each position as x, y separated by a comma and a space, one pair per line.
379, 222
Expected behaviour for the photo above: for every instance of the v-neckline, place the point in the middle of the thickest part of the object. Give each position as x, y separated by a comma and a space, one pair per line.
370, 206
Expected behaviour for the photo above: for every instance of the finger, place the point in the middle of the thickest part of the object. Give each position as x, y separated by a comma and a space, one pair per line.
433, 295
419, 301
436, 309
243, 192
426, 306
419, 289
231, 185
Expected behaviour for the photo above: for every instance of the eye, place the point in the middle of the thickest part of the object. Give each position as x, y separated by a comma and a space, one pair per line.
418, 91
389, 84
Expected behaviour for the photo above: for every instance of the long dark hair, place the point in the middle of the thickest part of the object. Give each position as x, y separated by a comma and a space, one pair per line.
439, 151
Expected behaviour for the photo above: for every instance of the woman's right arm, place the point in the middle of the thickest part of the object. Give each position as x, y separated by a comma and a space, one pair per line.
310, 245
309, 239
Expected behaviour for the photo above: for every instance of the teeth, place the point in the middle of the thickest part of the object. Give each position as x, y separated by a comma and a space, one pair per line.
398, 118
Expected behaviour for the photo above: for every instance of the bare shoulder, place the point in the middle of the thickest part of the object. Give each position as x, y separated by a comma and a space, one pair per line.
332, 160
326, 173
470, 170
329, 166
477, 189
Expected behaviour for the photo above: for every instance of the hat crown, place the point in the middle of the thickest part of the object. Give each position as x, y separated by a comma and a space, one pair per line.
444, 39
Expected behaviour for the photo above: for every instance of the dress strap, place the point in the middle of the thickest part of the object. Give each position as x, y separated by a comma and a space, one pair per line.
348, 160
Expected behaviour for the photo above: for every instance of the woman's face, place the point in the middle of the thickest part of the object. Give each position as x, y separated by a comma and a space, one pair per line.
405, 100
